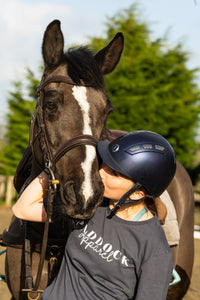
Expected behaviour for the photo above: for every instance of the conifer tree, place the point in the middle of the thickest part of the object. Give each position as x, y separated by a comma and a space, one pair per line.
21, 107
152, 88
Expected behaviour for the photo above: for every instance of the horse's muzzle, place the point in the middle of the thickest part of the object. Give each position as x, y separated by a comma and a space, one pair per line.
76, 204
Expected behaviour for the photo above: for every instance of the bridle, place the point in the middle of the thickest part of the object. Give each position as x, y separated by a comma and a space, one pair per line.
50, 164
48, 158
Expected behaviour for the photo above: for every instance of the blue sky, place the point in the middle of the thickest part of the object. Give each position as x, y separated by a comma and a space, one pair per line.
22, 24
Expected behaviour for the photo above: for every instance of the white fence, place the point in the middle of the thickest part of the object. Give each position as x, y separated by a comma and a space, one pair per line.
7, 190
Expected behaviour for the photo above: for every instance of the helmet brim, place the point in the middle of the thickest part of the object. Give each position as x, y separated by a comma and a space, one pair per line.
104, 152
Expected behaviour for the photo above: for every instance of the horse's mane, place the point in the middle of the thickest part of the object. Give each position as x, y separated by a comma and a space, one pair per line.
82, 65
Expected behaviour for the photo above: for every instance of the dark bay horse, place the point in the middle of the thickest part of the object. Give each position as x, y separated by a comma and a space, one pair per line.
69, 119
71, 116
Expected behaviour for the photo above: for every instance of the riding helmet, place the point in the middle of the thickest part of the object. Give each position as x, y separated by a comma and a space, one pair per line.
144, 156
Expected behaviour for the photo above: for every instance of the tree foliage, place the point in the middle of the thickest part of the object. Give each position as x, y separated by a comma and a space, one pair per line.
21, 107
152, 88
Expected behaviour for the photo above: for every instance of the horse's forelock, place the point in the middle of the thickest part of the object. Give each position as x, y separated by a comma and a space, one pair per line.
82, 65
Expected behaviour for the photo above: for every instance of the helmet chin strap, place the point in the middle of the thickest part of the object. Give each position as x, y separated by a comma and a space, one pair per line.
124, 200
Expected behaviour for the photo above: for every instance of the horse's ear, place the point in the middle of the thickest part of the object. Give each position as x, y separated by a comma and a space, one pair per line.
108, 57
53, 43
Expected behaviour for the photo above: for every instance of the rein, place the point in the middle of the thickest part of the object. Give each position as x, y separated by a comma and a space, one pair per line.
50, 164
75, 142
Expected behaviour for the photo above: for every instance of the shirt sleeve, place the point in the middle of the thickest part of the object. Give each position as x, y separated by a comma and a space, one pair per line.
154, 277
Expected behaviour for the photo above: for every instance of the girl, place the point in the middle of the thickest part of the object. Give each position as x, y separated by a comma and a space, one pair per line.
121, 252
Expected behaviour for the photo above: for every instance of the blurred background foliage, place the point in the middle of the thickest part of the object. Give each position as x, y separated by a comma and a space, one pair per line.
151, 89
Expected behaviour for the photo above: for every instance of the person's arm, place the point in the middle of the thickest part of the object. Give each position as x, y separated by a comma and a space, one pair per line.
30, 206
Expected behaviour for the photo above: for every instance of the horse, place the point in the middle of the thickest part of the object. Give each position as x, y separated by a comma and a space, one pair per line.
70, 118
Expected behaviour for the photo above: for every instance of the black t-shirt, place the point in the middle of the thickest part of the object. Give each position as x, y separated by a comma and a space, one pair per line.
114, 259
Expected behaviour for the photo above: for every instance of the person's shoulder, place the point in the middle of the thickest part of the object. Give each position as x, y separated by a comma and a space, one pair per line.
155, 233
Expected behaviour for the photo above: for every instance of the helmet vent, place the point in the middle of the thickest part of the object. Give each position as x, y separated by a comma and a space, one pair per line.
136, 148
160, 148
148, 146
145, 147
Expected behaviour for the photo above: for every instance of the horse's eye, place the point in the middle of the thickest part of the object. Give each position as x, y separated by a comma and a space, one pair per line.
51, 106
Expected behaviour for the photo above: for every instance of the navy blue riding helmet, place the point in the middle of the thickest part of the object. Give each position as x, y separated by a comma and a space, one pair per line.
144, 156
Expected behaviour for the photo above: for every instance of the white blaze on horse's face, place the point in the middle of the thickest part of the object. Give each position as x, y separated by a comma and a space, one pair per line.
79, 93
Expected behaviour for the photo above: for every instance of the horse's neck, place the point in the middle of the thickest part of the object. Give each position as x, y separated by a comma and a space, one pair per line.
36, 169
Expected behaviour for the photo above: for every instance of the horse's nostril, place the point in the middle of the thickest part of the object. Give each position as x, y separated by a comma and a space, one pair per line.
69, 192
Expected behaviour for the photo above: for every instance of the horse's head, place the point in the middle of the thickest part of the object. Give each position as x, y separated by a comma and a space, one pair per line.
72, 113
